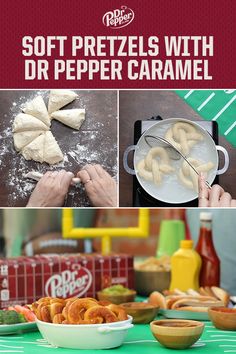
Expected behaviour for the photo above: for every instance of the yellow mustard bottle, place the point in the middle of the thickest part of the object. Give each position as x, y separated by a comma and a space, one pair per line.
185, 267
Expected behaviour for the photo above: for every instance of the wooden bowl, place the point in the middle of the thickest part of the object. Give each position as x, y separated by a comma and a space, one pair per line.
148, 281
223, 318
177, 334
117, 299
140, 311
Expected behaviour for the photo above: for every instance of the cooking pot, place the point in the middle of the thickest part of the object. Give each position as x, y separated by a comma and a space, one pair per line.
171, 189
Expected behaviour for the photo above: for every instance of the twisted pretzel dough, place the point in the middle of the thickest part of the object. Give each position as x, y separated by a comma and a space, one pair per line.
183, 136
59, 318
152, 169
99, 314
74, 311
188, 177
46, 312
48, 301
104, 302
71, 299
43, 313
77, 311
118, 311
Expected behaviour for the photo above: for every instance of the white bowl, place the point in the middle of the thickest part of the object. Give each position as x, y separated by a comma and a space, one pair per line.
96, 336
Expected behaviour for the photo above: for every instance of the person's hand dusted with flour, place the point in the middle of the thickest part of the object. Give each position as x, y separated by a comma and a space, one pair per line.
53, 187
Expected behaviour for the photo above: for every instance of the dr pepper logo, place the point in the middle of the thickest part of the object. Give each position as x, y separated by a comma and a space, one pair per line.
118, 18
69, 283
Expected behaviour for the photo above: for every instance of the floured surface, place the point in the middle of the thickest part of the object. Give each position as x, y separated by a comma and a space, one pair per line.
95, 142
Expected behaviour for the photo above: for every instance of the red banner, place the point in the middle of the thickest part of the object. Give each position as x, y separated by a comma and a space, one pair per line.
114, 44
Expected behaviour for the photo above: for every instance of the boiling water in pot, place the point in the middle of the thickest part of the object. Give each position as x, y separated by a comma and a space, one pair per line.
171, 189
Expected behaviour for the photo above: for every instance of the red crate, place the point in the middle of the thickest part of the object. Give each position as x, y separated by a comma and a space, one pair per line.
25, 279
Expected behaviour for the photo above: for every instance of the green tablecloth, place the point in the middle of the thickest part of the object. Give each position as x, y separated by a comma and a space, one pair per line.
138, 340
218, 105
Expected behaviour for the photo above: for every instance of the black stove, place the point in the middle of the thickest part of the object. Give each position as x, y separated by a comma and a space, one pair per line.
140, 197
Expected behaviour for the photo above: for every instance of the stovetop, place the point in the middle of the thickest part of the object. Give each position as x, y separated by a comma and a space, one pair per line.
140, 197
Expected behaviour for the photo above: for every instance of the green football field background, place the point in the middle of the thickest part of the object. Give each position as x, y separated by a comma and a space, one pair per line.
218, 105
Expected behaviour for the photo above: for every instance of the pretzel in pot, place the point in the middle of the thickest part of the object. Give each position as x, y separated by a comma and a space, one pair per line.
183, 136
151, 168
189, 177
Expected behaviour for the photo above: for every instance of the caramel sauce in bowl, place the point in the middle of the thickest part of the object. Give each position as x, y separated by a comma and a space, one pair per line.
223, 318
177, 334
140, 311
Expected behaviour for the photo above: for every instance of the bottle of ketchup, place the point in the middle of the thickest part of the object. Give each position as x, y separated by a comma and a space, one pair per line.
210, 271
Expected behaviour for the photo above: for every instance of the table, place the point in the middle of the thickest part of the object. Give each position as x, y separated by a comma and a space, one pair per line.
138, 340
95, 142
141, 105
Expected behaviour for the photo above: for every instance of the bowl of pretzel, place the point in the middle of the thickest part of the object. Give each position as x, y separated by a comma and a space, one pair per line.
72, 323
191, 304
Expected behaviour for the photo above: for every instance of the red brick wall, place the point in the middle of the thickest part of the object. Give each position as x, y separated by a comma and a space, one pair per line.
129, 217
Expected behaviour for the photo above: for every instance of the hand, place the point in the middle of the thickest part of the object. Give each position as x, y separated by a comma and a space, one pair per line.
99, 185
51, 190
214, 197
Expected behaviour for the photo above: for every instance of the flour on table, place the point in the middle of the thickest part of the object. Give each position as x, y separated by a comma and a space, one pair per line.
83, 149
43, 147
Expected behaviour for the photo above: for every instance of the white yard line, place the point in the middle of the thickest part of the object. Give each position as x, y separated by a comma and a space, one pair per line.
229, 351
10, 346
224, 108
188, 94
11, 351
230, 128
206, 101
15, 342
228, 345
42, 340
141, 341
223, 335
202, 344
209, 326
14, 338
218, 340
226, 332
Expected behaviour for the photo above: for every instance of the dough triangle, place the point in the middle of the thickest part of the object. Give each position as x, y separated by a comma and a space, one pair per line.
24, 122
52, 151
59, 98
71, 117
35, 150
24, 138
38, 109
